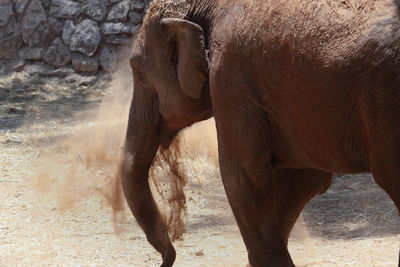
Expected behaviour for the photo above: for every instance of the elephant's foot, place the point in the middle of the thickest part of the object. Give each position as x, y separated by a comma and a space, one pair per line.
168, 256
276, 257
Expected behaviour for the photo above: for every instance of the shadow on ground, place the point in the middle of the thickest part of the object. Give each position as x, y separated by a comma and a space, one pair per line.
353, 208
26, 99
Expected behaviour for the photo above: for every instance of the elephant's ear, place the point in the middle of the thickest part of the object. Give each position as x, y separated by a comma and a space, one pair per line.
191, 64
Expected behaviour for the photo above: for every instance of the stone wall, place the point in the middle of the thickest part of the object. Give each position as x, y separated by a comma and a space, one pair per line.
84, 33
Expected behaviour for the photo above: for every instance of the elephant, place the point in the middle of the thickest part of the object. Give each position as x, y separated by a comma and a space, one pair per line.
299, 90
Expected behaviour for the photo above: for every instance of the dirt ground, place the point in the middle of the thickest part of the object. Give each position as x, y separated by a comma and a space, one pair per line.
56, 179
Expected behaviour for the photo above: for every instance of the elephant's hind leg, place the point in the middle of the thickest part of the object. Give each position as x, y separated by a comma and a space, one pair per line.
264, 201
266, 217
293, 189
385, 167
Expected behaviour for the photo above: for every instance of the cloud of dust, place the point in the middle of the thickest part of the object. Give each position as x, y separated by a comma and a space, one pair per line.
173, 167
84, 163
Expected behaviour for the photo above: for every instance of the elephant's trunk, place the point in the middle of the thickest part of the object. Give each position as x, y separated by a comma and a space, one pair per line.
142, 141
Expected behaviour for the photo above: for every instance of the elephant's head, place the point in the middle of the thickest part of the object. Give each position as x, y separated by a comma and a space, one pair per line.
170, 71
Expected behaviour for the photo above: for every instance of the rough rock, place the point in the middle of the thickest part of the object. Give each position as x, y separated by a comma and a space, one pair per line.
30, 53
96, 9
65, 9
119, 39
10, 40
87, 80
109, 28
73, 78
136, 17
17, 65
85, 64
80, 79
57, 54
20, 6
6, 13
68, 30
45, 4
137, 5
135, 30
119, 11
15, 110
107, 58
60, 73
55, 28
34, 26
3, 66
53, 31
35, 68
86, 38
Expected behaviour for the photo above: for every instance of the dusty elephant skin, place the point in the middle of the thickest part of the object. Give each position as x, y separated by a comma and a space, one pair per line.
299, 90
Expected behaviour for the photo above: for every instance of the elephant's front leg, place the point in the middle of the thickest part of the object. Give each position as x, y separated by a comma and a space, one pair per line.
265, 202
245, 164
255, 214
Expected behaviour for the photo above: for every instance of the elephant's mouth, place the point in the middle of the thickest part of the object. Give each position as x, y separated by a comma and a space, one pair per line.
166, 135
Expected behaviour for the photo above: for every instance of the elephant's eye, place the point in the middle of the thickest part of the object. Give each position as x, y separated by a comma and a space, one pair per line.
141, 76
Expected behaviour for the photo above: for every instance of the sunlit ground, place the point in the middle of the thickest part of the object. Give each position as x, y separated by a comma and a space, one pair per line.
59, 146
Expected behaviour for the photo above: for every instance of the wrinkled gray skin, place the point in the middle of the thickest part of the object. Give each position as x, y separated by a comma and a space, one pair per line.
299, 90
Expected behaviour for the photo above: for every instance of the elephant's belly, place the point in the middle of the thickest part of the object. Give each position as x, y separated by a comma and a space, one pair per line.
318, 142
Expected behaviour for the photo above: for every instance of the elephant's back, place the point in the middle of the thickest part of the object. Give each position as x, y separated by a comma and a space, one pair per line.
330, 30
313, 64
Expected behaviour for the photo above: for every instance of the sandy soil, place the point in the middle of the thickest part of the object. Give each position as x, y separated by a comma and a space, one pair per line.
49, 217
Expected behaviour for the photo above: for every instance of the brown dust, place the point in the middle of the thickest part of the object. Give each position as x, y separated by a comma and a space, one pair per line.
85, 162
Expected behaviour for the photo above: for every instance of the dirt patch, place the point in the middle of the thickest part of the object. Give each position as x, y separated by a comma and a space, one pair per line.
66, 214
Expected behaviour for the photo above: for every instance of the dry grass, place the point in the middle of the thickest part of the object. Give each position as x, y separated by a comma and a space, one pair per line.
168, 8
